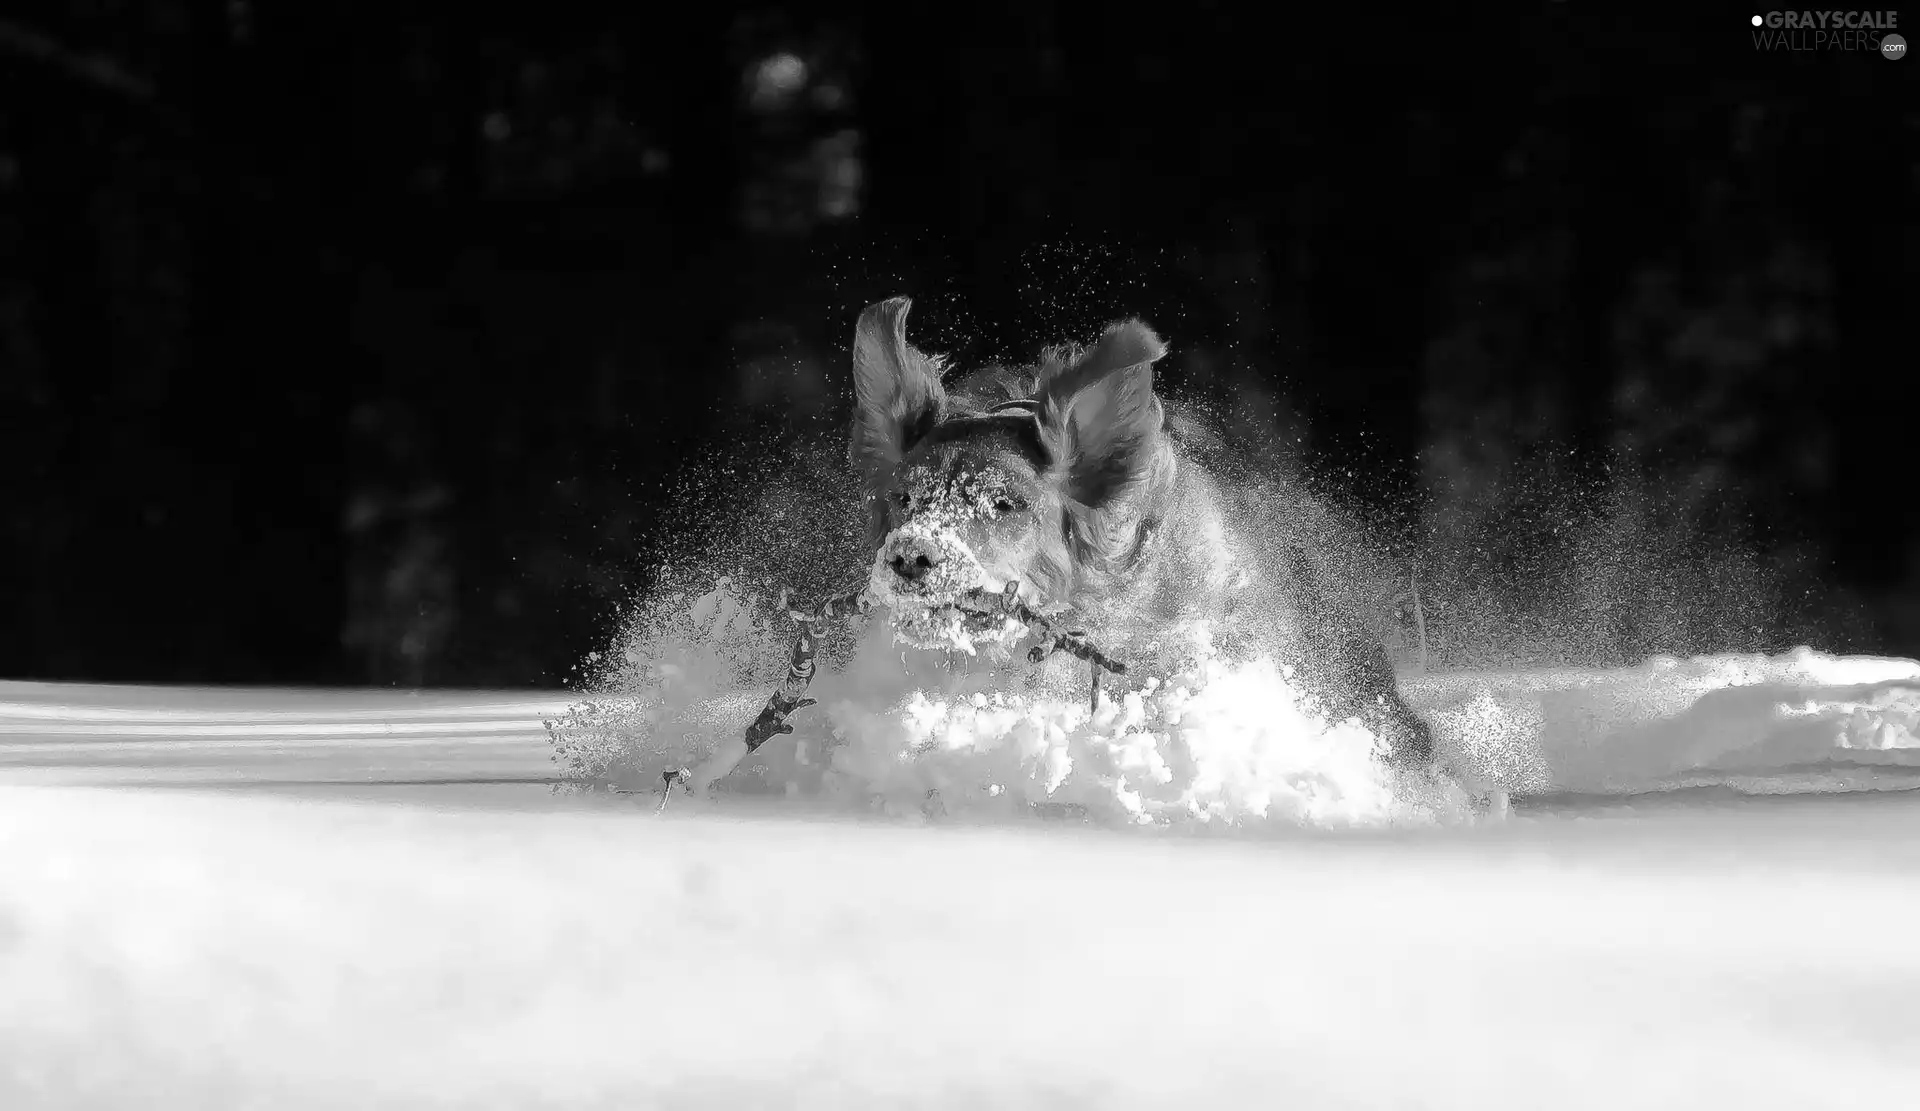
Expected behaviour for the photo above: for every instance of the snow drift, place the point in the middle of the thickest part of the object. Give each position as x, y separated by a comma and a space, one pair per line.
181, 949
1798, 722
1234, 742
444, 931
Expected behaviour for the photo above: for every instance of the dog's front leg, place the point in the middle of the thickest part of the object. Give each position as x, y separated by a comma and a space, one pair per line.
781, 704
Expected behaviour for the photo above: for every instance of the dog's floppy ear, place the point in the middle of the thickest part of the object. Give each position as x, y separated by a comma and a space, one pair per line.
1098, 415
897, 390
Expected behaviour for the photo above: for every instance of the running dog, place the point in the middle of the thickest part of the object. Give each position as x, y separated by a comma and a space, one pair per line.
1067, 487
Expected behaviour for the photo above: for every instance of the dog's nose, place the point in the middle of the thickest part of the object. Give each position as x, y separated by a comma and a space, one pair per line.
911, 561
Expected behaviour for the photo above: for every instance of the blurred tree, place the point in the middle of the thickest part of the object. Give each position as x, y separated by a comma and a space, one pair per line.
353, 344
96, 288
1495, 402
799, 137
402, 604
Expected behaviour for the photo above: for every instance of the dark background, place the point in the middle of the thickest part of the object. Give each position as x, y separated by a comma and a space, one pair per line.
357, 343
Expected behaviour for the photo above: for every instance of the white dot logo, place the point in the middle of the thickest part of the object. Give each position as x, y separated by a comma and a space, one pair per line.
1757, 21
1893, 48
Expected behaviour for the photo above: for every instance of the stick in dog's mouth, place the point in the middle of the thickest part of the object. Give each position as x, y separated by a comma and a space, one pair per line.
952, 606
1005, 618
953, 625
1002, 611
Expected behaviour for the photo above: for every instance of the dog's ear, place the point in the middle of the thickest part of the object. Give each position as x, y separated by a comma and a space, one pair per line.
897, 390
1098, 416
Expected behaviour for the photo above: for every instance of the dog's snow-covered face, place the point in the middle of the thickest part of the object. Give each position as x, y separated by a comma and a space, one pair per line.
967, 509
970, 496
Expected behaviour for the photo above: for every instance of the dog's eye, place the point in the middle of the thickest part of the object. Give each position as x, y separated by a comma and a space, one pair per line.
902, 499
1004, 504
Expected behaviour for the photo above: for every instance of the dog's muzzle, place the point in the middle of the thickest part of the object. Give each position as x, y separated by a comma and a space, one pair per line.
922, 574
911, 558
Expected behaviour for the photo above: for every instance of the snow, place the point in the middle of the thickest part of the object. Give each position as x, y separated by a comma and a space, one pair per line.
220, 950
1199, 738
322, 899
1795, 722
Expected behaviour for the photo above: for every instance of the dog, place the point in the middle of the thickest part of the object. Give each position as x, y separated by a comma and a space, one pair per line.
1067, 484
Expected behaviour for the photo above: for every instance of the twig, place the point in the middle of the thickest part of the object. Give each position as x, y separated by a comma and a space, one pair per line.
1073, 643
790, 695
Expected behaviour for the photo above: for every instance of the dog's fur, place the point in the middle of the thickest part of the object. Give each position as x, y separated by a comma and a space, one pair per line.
1067, 478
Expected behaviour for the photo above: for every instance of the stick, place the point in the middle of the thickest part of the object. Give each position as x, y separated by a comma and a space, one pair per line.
790, 695
1073, 643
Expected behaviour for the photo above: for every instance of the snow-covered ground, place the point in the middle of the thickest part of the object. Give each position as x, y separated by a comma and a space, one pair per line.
319, 899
